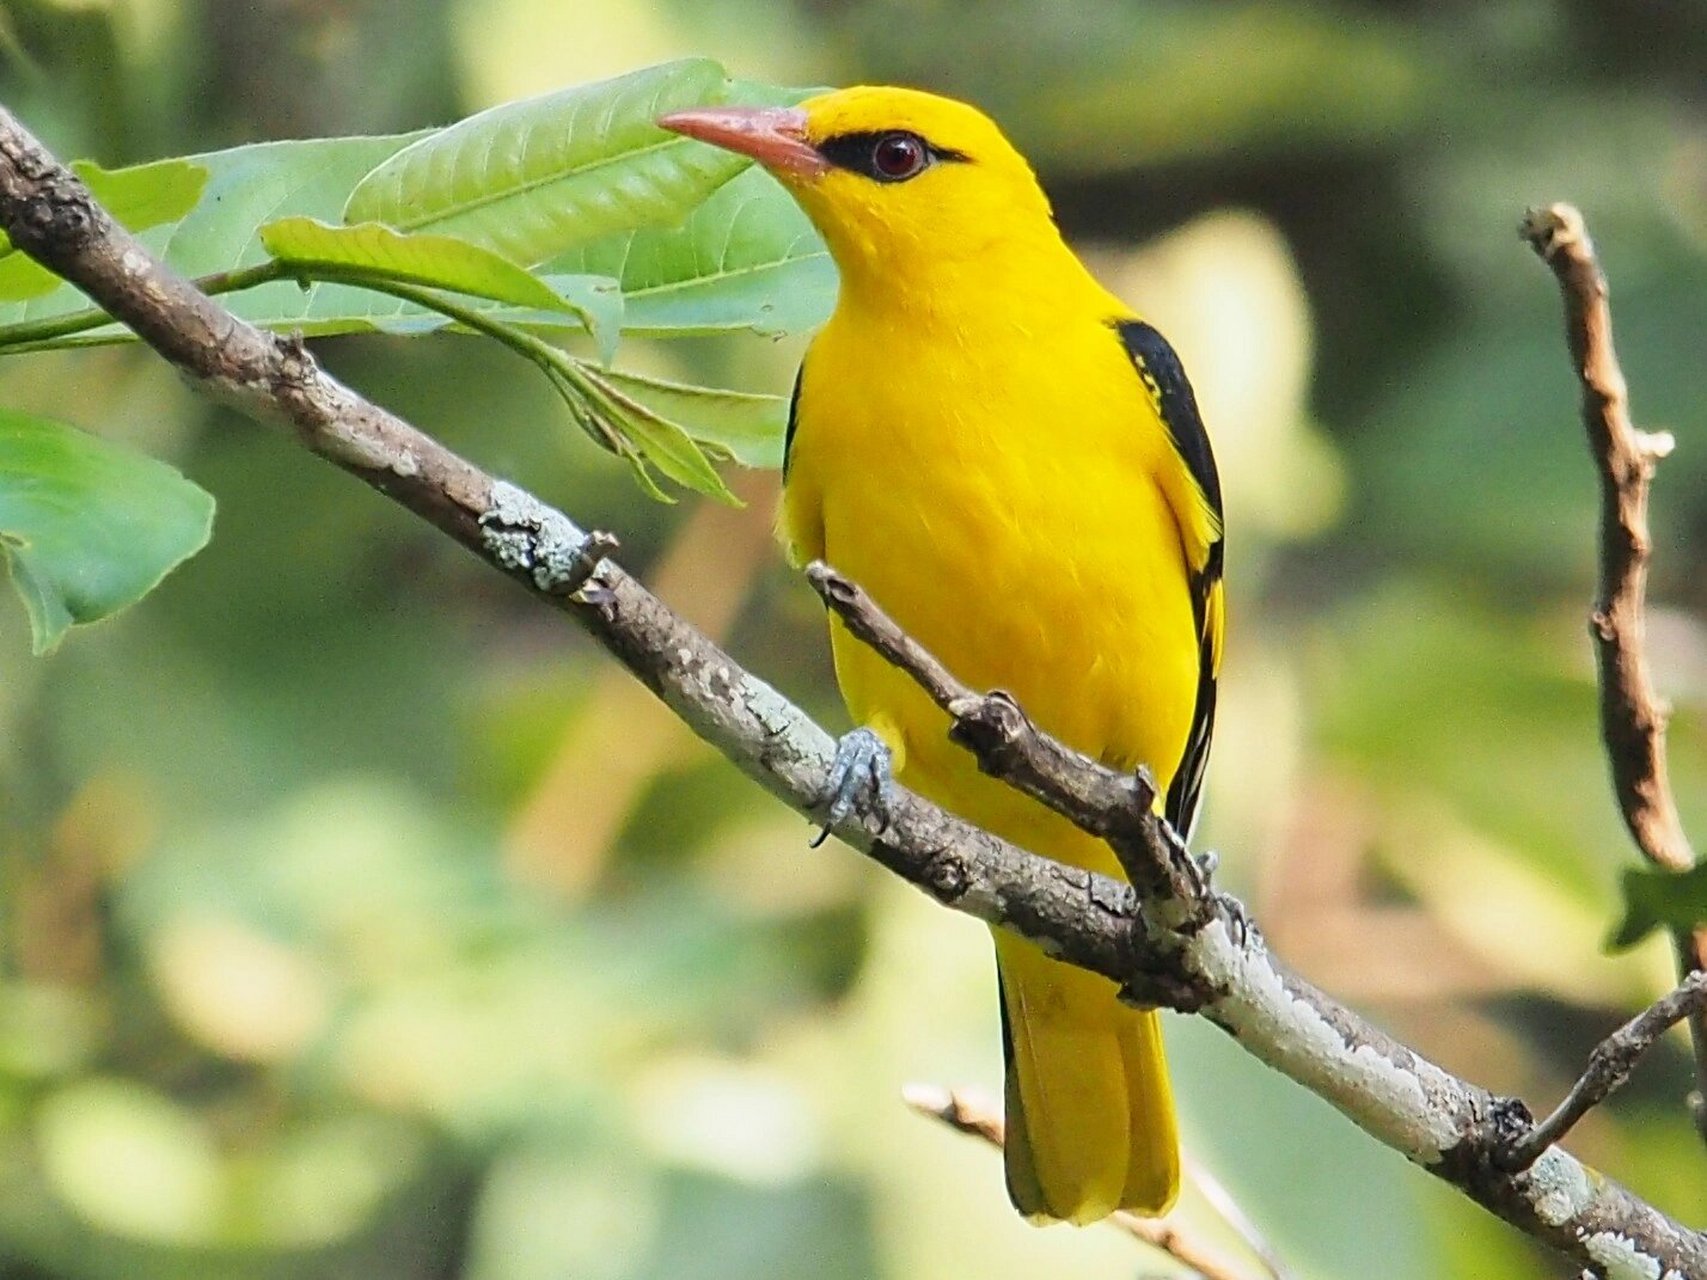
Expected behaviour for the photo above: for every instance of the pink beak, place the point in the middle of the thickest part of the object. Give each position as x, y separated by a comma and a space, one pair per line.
774, 136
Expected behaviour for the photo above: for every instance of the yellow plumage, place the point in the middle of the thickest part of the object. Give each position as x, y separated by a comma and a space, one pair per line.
980, 444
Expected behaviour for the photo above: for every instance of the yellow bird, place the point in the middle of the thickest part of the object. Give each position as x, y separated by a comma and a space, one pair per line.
1012, 463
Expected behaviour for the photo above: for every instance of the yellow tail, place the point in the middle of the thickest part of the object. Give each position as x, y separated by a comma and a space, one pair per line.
1090, 1123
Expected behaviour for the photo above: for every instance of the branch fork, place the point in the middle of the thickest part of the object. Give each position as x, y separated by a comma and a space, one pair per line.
1609, 1068
1116, 807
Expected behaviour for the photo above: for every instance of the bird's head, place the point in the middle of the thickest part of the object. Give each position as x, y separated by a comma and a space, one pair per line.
899, 182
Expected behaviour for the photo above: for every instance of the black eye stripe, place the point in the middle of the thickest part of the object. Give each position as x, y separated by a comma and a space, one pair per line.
856, 152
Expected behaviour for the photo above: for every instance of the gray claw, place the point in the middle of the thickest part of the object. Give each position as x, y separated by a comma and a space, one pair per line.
1239, 922
863, 768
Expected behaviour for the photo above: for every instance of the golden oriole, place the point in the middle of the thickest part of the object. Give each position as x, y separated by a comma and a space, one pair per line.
1013, 464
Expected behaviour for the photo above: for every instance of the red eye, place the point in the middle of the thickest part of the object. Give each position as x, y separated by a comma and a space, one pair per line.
895, 157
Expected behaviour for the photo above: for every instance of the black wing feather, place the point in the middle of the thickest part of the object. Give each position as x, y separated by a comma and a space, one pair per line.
793, 419
1163, 375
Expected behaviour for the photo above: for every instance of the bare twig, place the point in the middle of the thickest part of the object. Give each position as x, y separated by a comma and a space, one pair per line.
1632, 716
1609, 1067
1117, 807
1221, 1200
993, 728
1443, 1123
957, 1109
1170, 1234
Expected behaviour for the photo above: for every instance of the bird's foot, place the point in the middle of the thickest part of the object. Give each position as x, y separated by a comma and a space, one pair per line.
862, 770
1241, 927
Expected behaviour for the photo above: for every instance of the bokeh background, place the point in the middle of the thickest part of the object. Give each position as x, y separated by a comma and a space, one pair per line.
357, 919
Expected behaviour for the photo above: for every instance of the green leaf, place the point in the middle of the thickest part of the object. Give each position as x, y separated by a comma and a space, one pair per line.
144, 195
757, 93
23, 277
139, 197
747, 427
440, 262
87, 526
1655, 899
595, 303
531, 179
253, 186
661, 442
322, 310
246, 187
256, 186
745, 259
250, 187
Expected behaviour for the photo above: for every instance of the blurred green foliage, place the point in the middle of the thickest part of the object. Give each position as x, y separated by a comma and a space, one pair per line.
358, 920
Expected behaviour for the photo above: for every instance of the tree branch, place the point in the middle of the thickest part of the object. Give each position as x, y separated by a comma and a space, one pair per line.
1632, 716
1168, 1234
1633, 719
1609, 1068
1118, 808
1444, 1124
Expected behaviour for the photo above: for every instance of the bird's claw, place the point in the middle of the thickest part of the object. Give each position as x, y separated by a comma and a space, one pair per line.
862, 769
1240, 925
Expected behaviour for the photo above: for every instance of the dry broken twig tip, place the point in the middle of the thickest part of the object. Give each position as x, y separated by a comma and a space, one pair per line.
1171, 1234
1632, 715
1096, 922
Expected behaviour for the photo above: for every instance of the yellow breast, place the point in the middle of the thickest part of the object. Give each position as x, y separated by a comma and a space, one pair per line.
1011, 514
